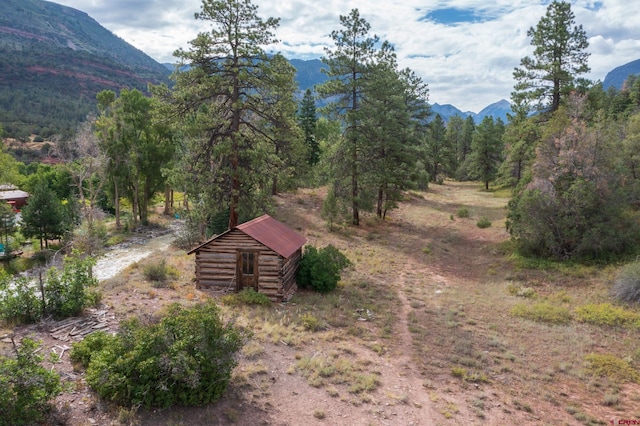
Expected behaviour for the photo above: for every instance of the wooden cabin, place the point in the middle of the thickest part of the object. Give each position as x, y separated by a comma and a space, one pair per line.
263, 254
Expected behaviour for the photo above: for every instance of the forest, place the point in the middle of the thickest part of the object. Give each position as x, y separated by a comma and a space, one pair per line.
228, 136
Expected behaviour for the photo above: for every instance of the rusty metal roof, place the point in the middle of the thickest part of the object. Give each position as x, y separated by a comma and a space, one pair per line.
273, 234
268, 231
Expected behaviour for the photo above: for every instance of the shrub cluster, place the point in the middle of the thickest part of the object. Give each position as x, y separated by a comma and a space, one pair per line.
320, 269
543, 312
186, 358
26, 387
606, 314
65, 293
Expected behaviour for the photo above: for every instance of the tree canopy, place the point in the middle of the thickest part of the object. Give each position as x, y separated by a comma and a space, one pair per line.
559, 57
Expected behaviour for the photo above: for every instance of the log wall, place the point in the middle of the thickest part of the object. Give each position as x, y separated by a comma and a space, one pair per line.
216, 265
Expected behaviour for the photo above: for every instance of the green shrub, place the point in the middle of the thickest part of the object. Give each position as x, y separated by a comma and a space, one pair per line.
612, 367
186, 358
462, 212
157, 271
484, 222
19, 303
95, 342
543, 312
26, 388
626, 287
67, 293
607, 315
320, 269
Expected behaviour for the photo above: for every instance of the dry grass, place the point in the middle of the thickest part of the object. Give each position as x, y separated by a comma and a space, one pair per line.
477, 326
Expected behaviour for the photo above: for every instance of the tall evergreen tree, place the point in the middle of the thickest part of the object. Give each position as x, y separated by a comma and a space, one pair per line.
307, 117
43, 217
436, 154
559, 57
386, 127
349, 64
486, 152
227, 103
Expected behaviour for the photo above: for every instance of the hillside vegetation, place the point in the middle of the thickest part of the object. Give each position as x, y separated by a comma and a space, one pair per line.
55, 60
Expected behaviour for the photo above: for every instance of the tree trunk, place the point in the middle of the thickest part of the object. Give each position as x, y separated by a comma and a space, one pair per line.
380, 202
167, 200
116, 202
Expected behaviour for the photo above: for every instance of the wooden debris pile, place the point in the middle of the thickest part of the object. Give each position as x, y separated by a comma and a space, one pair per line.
75, 329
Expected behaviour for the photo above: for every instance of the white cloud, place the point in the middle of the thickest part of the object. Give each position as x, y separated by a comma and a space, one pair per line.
468, 64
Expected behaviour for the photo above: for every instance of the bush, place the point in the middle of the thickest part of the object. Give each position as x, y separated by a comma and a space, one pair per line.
67, 293
320, 269
612, 367
158, 272
543, 312
19, 303
26, 387
484, 222
626, 287
186, 358
605, 314
462, 212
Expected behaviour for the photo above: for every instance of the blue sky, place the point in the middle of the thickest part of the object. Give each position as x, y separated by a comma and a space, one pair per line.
465, 50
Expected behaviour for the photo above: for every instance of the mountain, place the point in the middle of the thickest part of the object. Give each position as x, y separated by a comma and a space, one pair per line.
496, 110
54, 61
617, 76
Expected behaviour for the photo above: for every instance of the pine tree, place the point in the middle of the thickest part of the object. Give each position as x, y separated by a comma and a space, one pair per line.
559, 57
229, 107
308, 119
348, 71
486, 152
43, 217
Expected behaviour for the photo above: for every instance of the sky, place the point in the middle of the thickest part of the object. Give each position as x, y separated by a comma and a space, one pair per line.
465, 50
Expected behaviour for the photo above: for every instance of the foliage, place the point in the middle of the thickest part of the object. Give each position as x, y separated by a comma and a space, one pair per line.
236, 110
626, 287
67, 293
43, 217
559, 57
320, 269
137, 145
7, 225
486, 151
573, 206
92, 344
484, 222
612, 367
184, 359
247, 296
19, 303
330, 207
158, 271
462, 212
307, 117
606, 314
544, 311
26, 388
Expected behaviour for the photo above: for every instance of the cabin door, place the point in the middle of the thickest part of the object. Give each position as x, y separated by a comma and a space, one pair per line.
247, 270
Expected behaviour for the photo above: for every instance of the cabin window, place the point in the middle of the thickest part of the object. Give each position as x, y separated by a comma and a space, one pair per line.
247, 263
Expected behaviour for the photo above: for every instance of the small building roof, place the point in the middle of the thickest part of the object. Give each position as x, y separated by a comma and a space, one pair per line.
13, 195
268, 231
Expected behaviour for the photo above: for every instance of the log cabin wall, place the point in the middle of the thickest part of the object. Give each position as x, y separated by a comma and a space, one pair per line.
216, 261
253, 254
